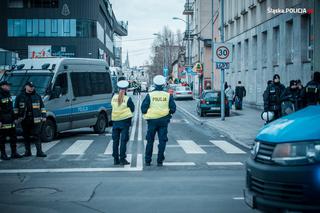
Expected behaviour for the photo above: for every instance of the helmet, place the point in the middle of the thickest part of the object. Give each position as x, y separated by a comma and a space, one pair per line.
159, 80
267, 116
123, 84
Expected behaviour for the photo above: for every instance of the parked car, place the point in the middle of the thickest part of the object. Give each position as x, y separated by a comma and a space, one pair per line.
210, 102
182, 92
76, 92
283, 171
171, 88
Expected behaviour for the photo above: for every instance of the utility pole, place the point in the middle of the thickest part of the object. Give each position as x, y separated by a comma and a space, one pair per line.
222, 70
212, 41
188, 41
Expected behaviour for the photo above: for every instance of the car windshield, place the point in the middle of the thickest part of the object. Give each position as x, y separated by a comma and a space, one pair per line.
40, 80
211, 95
182, 89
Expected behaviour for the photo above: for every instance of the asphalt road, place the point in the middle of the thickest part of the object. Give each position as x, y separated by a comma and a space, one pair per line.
203, 172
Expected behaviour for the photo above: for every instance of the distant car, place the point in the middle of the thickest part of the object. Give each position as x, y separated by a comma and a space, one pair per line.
181, 92
172, 88
210, 102
283, 171
144, 87
151, 88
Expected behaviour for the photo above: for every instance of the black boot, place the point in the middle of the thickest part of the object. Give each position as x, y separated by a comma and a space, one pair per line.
116, 161
124, 162
40, 153
14, 153
28, 149
4, 155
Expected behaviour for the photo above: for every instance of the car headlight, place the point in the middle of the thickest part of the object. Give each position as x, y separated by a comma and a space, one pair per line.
297, 153
254, 149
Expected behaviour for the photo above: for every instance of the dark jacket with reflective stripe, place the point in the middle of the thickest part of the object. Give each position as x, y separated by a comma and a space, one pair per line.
30, 107
6, 108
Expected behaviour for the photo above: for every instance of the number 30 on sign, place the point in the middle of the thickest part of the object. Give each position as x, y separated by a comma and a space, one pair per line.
222, 52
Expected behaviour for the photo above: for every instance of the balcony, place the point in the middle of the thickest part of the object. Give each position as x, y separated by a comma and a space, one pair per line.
188, 8
121, 28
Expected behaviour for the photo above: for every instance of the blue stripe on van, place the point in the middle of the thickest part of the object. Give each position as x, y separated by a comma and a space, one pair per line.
81, 109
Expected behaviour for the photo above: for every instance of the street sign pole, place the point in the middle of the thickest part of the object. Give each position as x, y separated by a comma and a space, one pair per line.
222, 70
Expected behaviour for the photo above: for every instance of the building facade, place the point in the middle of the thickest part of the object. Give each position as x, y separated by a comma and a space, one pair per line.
267, 42
62, 28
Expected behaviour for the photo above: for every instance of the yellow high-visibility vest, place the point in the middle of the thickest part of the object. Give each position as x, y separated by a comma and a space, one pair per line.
159, 105
122, 111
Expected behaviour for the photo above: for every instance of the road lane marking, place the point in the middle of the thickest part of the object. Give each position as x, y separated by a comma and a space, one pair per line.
45, 146
109, 149
224, 164
238, 198
172, 146
155, 146
139, 162
78, 148
69, 170
227, 147
190, 147
133, 129
193, 116
179, 164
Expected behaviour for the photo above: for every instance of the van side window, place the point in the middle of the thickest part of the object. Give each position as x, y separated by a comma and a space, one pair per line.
81, 84
62, 82
100, 82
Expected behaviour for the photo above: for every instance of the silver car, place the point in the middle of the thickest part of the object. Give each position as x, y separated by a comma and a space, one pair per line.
182, 92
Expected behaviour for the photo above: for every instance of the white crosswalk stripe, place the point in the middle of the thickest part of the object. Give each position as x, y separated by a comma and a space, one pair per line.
78, 148
227, 147
109, 148
45, 146
190, 147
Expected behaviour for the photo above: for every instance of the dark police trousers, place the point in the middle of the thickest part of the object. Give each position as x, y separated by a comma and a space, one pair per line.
31, 134
8, 135
120, 134
162, 129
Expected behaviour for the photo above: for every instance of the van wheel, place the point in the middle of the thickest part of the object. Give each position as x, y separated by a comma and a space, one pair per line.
48, 131
101, 124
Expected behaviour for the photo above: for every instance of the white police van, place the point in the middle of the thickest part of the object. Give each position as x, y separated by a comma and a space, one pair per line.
76, 92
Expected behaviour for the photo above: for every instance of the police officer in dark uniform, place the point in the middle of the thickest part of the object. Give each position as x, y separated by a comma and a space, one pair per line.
31, 112
272, 97
7, 124
157, 108
291, 99
122, 113
311, 92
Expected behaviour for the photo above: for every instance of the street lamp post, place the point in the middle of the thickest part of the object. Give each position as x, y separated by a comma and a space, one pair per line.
188, 42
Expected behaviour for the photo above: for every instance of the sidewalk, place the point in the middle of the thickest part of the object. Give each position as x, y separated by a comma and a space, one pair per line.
242, 126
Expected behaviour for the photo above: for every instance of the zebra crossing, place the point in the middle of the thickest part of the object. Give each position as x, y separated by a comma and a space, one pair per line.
80, 147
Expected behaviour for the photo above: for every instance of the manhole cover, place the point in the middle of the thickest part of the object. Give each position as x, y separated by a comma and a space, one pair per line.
36, 191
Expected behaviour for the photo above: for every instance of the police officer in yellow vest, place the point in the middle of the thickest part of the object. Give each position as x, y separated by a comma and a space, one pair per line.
157, 107
122, 113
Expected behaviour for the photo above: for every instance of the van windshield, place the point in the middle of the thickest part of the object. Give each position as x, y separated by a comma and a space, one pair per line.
40, 80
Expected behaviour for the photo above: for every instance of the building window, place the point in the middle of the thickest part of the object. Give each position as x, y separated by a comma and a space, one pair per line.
264, 46
42, 28
289, 42
239, 55
246, 54
254, 51
33, 3
306, 38
276, 45
100, 33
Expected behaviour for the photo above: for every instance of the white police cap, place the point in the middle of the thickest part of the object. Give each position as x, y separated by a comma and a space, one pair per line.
123, 84
159, 80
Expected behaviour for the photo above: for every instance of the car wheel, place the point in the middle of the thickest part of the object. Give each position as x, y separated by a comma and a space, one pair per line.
48, 131
101, 124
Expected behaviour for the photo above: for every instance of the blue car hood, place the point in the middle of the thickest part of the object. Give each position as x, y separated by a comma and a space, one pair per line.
303, 125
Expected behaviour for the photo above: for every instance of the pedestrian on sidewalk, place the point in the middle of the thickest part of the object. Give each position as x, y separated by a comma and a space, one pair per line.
157, 108
122, 113
291, 99
7, 124
230, 95
311, 92
239, 95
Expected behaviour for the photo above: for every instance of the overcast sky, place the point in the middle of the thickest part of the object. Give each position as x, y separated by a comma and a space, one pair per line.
146, 17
